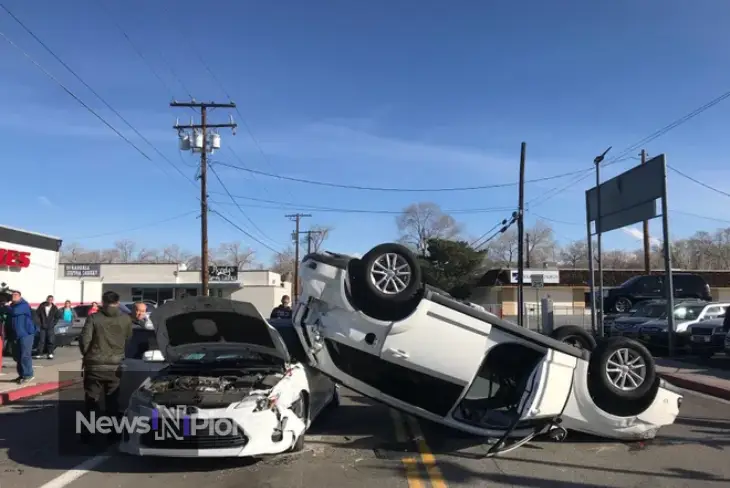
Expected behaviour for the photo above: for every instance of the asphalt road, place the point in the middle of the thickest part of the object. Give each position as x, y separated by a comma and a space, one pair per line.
363, 445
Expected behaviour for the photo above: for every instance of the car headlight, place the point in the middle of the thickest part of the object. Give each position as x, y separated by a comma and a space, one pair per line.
261, 402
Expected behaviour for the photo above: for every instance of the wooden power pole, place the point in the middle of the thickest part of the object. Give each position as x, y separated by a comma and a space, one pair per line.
201, 144
521, 240
297, 217
527, 250
647, 246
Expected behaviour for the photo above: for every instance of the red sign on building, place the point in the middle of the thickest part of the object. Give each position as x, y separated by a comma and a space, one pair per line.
14, 259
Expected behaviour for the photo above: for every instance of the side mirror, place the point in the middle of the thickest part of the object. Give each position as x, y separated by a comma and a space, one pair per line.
153, 356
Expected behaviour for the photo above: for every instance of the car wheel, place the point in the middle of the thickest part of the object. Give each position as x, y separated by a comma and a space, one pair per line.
621, 369
300, 407
391, 273
622, 305
575, 336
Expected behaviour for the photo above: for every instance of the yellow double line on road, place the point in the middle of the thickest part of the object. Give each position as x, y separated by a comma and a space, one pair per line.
403, 425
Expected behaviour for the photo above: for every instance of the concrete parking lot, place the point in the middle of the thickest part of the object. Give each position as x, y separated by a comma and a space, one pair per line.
364, 444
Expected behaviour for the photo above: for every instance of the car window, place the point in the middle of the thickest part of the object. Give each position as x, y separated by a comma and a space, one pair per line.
648, 284
630, 281
142, 340
82, 311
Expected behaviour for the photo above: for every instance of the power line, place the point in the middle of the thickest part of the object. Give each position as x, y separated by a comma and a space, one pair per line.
132, 229
217, 177
281, 205
93, 91
372, 188
554, 220
498, 224
694, 180
144, 58
690, 214
74, 96
622, 156
243, 231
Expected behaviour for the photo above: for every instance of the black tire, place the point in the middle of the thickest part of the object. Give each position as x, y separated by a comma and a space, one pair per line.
575, 336
301, 409
622, 305
373, 267
602, 381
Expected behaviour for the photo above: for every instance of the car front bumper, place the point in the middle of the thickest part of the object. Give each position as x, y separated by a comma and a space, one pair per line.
256, 434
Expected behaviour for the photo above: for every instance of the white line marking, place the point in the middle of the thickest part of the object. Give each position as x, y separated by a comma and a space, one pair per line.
72, 475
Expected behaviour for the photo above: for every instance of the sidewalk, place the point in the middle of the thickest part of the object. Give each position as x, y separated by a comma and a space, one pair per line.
710, 381
50, 375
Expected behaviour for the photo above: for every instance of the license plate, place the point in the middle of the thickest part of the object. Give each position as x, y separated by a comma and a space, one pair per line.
62, 330
701, 338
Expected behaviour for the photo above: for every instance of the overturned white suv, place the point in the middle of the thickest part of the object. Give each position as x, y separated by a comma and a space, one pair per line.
372, 325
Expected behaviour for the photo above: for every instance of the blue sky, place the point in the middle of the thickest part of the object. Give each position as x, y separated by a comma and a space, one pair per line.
392, 94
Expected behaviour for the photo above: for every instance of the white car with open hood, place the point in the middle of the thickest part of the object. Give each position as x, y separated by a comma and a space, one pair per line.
229, 388
372, 325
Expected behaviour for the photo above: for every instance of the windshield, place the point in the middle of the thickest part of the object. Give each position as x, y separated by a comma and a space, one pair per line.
652, 311
688, 313
82, 311
629, 281
226, 357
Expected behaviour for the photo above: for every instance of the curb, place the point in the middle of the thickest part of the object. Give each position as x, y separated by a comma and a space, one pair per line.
683, 382
34, 390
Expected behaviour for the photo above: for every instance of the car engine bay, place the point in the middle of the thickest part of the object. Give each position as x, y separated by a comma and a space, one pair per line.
216, 390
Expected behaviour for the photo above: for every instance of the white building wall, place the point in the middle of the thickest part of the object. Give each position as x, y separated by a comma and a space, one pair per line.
139, 274
71, 289
35, 282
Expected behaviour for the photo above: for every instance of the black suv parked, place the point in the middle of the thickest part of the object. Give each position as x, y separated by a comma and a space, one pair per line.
647, 287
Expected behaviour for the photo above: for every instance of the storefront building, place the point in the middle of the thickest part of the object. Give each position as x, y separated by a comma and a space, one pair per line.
30, 263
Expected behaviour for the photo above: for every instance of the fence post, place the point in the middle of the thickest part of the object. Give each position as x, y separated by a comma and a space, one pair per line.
548, 316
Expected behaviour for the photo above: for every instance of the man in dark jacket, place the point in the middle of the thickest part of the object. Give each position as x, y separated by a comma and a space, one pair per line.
283, 311
48, 315
23, 332
102, 343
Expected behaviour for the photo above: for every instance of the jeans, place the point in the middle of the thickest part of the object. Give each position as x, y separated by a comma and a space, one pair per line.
22, 354
46, 341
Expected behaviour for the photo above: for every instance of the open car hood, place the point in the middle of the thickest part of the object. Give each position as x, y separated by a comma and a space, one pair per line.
181, 324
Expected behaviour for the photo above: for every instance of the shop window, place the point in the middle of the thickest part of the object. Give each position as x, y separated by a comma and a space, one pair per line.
137, 294
165, 294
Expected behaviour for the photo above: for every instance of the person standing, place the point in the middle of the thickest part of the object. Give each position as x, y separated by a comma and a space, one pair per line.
102, 343
48, 315
67, 313
94, 308
139, 314
23, 330
283, 311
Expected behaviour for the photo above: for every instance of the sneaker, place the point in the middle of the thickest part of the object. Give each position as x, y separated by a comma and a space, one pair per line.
18, 380
27, 379
50, 356
37, 356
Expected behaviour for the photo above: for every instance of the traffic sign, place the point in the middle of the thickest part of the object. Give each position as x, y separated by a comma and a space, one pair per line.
537, 280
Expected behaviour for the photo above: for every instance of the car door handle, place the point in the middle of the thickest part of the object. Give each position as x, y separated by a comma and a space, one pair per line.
399, 353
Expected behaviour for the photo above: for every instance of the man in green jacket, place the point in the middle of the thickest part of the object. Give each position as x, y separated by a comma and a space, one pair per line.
102, 342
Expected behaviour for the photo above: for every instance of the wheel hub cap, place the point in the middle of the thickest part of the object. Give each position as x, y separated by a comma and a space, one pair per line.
626, 369
390, 273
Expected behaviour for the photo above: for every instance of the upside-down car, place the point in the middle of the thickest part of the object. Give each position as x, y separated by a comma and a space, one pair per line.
372, 325
228, 366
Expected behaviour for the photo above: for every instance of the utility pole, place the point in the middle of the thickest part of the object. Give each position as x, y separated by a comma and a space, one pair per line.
520, 239
197, 141
527, 250
647, 247
297, 217
597, 161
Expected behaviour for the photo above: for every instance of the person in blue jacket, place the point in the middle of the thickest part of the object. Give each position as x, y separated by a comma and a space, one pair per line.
23, 331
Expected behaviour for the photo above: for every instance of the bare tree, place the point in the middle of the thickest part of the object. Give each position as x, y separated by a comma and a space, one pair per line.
173, 254
71, 253
575, 255
146, 255
420, 222
540, 246
318, 234
126, 248
284, 263
503, 249
235, 254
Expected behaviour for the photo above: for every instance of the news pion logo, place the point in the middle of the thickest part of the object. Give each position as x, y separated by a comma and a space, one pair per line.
163, 423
